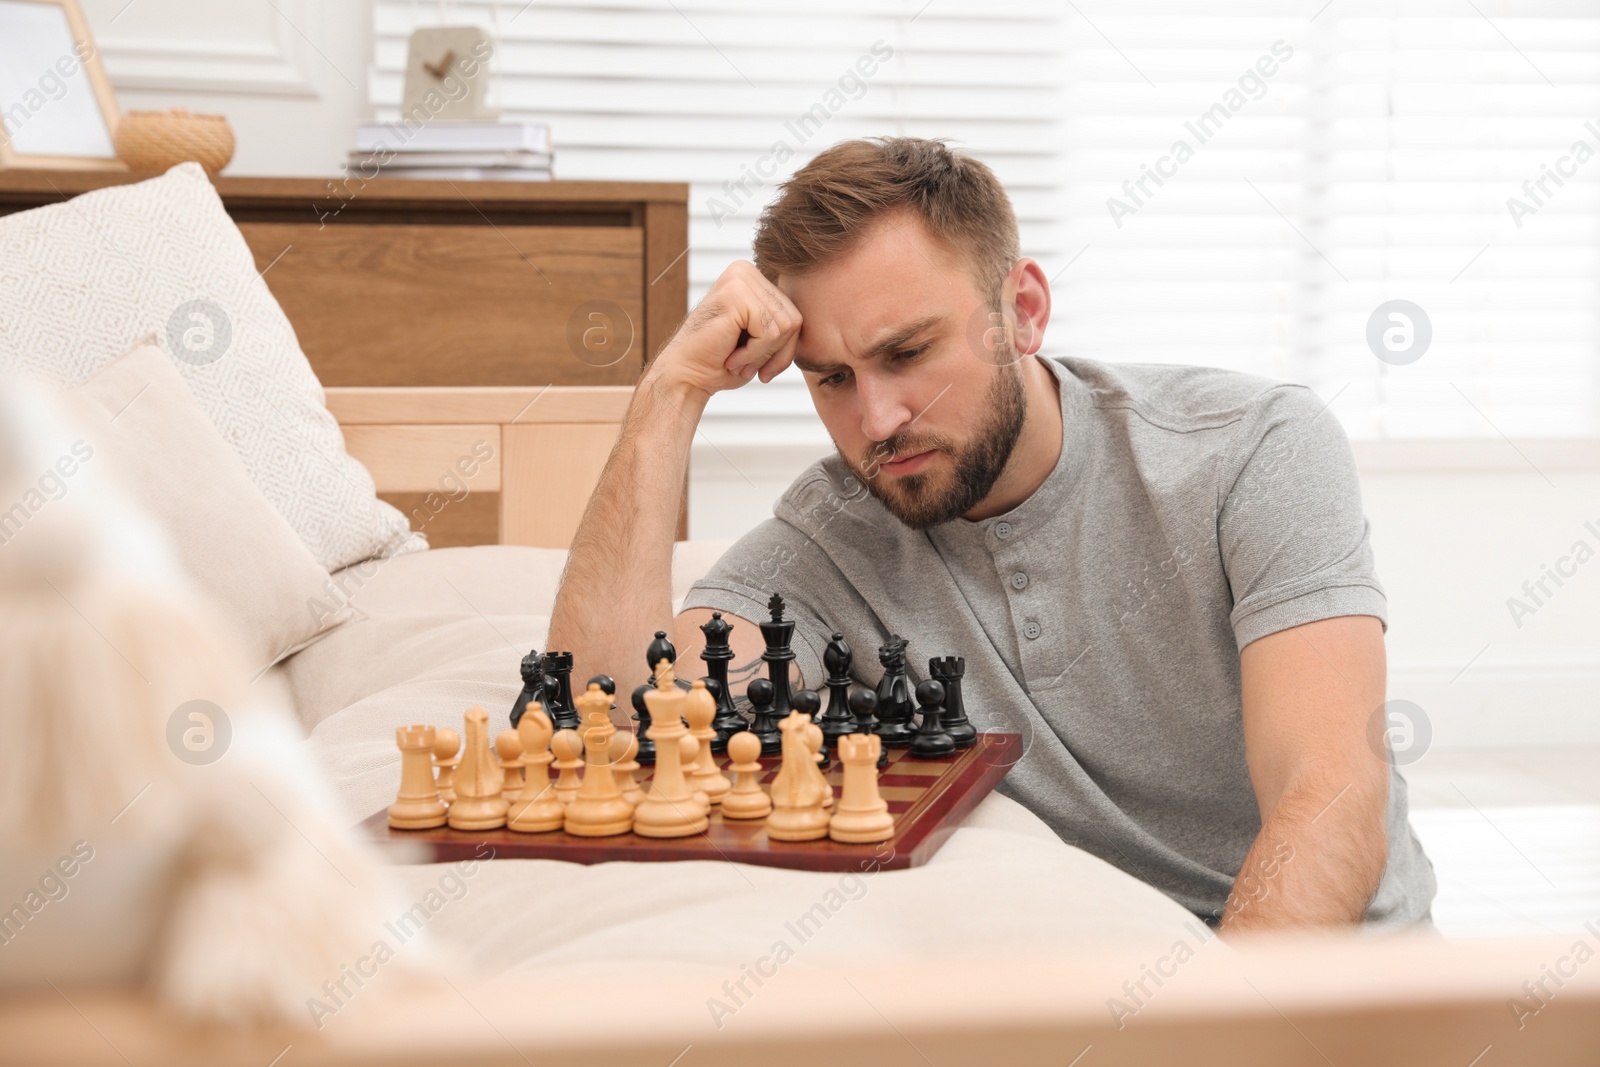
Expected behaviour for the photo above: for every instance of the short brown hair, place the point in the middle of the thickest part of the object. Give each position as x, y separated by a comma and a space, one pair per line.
821, 211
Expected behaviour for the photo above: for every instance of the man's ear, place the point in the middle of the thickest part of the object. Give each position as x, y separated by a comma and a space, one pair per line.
1027, 290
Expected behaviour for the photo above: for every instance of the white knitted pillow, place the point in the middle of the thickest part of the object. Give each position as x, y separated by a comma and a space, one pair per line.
82, 281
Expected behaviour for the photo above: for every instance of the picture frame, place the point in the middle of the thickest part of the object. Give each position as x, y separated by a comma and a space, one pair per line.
57, 108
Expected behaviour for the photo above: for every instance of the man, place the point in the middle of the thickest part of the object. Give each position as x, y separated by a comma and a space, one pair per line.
1160, 575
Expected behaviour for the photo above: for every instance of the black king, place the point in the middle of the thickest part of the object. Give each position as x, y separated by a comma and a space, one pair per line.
778, 632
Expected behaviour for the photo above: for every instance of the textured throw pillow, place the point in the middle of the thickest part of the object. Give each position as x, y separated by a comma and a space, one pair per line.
143, 430
84, 280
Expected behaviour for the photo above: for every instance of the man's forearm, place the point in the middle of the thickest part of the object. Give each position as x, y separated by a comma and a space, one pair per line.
617, 587
1317, 860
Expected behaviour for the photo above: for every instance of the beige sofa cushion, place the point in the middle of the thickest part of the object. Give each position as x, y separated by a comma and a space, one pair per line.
144, 429
83, 280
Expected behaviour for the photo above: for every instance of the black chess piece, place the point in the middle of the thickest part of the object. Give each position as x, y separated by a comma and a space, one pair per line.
764, 723
931, 740
894, 695
948, 672
838, 720
778, 632
660, 649
607, 684
558, 687
641, 715
717, 656
532, 685
864, 705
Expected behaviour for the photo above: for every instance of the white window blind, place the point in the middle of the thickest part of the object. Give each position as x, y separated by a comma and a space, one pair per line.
1376, 164
1373, 163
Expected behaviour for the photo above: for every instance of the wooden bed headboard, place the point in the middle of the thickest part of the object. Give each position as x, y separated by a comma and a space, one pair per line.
433, 311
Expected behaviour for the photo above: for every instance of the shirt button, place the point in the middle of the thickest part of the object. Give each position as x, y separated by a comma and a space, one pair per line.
1019, 581
1031, 631
1002, 530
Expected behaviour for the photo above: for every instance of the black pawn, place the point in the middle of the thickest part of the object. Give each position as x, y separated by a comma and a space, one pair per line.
717, 656
838, 720
532, 686
641, 715
558, 687
778, 632
894, 695
931, 740
764, 724
864, 706
948, 671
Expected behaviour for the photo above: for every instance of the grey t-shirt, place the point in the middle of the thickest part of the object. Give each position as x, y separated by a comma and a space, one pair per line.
1192, 511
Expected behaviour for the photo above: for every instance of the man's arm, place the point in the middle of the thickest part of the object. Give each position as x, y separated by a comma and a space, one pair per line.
1309, 693
616, 590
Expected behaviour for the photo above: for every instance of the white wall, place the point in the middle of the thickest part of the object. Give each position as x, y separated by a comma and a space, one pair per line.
290, 75
1458, 528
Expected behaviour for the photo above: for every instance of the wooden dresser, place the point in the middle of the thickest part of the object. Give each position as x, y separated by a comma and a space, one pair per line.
433, 311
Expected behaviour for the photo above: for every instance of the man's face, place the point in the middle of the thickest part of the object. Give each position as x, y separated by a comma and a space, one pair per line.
891, 348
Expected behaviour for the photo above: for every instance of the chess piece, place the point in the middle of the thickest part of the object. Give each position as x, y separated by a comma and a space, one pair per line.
558, 691
729, 727
778, 632
809, 704
532, 685
478, 804
641, 715
669, 809
446, 757
716, 656
598, 809
700, 711
931, 740
863, 815
568, 748
838, 720
820, 763
509, 750
797, 792
624, 747
538, 809
894, 695
417, 807
594, 710
864, 704
660, 649
764, 723
688, 753
948, 672
746, 800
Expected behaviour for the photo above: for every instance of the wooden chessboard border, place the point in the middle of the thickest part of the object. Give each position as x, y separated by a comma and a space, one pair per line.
920, 829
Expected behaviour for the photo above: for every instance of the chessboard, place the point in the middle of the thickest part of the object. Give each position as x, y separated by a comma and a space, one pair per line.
928, 799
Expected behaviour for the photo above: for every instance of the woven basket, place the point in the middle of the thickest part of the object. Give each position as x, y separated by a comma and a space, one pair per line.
157, 140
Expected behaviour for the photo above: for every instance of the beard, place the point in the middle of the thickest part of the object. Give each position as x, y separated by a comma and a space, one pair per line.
927, 499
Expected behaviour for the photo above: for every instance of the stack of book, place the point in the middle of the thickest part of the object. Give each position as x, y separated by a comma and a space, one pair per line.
469, 151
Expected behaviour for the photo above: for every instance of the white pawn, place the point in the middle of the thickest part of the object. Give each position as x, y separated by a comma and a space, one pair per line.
568, 747
746, 800
509, 750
